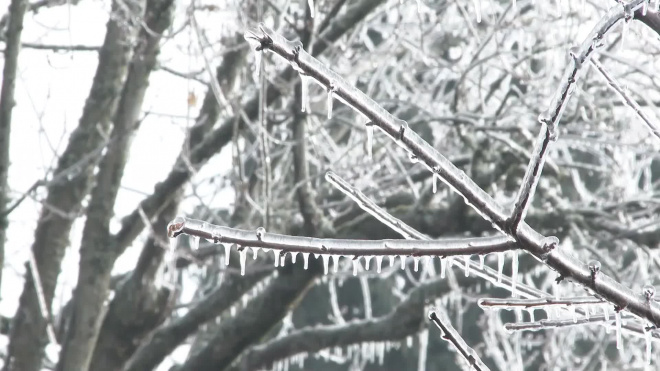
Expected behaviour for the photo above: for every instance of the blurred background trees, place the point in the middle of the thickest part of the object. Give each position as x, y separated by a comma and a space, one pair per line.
116, 117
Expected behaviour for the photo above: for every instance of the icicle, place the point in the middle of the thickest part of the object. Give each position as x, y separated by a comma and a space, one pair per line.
335, 262
467, 265
242, 255
276, 255
477, 9
416, 263
514, 4
258, 56
379, 263
624, 33
311, 8
555, 289
644, 7
255, 250
482, 259
227, 250
403, 261
500, 266
531, 314
571, 310
305, 259
619, 342
606, 312
194, 242
282, 259
367, 259
329, 103
325, 264
391, 260
435, 183
647, 339
304, 92
514, 273
443, 267
355, 266
370, 140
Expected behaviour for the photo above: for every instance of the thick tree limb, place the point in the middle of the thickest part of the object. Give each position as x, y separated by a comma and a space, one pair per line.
17, 9
52, 232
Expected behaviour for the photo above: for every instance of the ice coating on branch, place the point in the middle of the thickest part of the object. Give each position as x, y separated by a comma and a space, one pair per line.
175, 227
649, 292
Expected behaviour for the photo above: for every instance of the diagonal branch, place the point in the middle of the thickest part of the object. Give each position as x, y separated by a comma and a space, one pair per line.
454, 338
544, 249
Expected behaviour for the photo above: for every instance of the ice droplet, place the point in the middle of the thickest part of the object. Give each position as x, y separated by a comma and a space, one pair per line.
242, 255
227, 250
379, 263
594, 267
260, 233
500, 266
305, 259
325, 264
514, 273
370, 140
619, 342
194, 242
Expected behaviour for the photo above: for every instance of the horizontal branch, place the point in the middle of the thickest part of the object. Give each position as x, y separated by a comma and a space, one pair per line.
496, 303
328, 246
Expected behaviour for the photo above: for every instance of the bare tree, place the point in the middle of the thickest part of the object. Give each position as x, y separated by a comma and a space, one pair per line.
317, 243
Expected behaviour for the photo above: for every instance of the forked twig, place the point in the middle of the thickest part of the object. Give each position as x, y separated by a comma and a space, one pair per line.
454, 338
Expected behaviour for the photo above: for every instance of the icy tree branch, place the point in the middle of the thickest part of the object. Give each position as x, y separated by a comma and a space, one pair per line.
328, 246
452, 336
494, 303
543, 248
550, 119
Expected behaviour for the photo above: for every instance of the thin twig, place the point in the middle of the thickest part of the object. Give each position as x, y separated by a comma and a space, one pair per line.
452, 336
